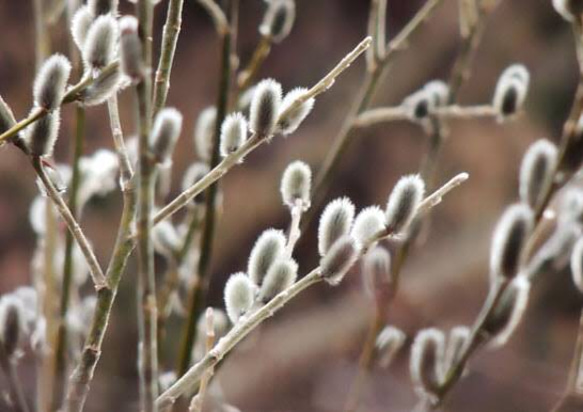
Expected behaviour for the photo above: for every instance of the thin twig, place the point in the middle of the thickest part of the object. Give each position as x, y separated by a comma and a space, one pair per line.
257, 58
125, 165
217, 15
294, 228
198, 399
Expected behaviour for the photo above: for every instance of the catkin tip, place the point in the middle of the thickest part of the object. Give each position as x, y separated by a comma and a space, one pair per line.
335, 222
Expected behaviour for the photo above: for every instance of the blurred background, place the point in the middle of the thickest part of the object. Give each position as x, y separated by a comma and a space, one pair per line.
305, 358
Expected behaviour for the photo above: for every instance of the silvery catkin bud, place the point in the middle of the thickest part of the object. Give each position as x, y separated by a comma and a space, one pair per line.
426, 362
369, 223
165, 239
296, 184
11, 324
403, 202
80, 25
291, 121
569, 9
537, 171
99, 47
233, 133
376, 272
281, 275
165, 132
388, 344
419, 105
267, 249
50, 82
7, 119
510, 236
508, 312
338, 260
104, 86
265, 107
577, 264
511, 90
41, 136
278, 20
438, 91
335, 222
130, 48
239, 296
192, 175
204, 131
99, 7
457, 340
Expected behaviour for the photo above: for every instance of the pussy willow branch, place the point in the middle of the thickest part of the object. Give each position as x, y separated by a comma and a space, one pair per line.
199, 289
125, 166
94, 268
362, 100
68, 269
250, 322
255, 141
147, 308
169, 40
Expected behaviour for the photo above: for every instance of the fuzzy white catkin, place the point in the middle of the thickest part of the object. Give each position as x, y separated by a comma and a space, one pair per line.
281, 275
509, 311
278, 20
369, 223
376, 272
99, 47
537, 171
265, 106
419, 104
511, 90
577, 264
510, 235
267, 249
28, 296
192, 175
388, 343
403, 202
239, 296
291, 121
338, 260
80, 24
103, 87
296, 184
233, 133
50, 82
7, 119
457, 340
426, 362
130, 48
204, 131
568, 9
335, 222
165, 239
41, 136
165, 132
438, 91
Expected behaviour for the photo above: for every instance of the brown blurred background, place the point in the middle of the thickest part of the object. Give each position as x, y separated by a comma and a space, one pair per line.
305, 358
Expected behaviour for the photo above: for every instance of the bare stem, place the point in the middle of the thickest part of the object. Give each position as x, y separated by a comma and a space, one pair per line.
259, 55
294, 229
217, 15
398, 113
125, 165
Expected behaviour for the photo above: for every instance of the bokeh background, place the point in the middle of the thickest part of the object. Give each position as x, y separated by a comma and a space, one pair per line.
305, 357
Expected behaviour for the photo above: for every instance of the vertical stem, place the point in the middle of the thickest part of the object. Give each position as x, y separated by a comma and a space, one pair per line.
41, 35
147, 316
68, 269
199, 288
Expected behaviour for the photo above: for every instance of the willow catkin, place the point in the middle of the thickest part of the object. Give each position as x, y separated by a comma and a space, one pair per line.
51, 81
369, 223
233, 133
403, 202
278, 20
296, 184
267, 249
290, 119
265, 108
335, 222
239, 296
338, 260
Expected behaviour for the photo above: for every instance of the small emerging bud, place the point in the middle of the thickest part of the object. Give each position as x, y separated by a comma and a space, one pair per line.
426, 361
239, 296
456, 343
265, 107
278, 20
7, 119
569, 9
388, 344
376, 273
204, 131
192, 175
80, 24
335, 222
41, 136
99, 7
511, 91
267, 249
577, 264
338, 260
233, 133
369, 223
165, 132
509, 238
419, 105
537, 171
508, 312
11, 324
296, 184
291, 121
281, 275
50, 82
403, 202
130, 48
99, 47
104, 86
